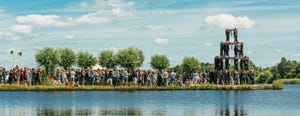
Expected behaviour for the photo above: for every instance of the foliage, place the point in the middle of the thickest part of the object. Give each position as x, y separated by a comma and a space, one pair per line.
264, 76
291, 81
207, 66
278, 85
108, 59
285, 66
160, 62
130, 58
86, 59
68, 57
190, 64
49, 58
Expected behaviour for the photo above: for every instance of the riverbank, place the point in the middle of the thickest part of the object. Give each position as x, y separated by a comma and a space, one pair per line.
291, 81
136, 88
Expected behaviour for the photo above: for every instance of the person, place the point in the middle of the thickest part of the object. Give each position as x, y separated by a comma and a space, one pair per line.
125, 74
242, 64
173, 78
154, 79
236, 61
235, 34
246, 63
235, 77
243, 77
195, 77
204, 77
165, 78
226, 48
251, 75
159, 79
116, 77
72, 77
227, 64
227, 33
29, 76
222, 48
217, 63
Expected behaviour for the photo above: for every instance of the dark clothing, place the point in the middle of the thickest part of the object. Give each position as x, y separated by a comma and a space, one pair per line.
227, 64
235, 33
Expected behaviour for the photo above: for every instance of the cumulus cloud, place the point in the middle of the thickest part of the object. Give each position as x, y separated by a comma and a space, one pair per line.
93, 18
21, 29
69, 36
44, 20
207, 44
161, 40
222, 21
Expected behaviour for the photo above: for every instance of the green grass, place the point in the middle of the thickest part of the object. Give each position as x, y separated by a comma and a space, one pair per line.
291, 81
137, 88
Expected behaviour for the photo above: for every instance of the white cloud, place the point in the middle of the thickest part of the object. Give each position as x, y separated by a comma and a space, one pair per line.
69, 36
122, 13
158, 27
207, 44
93, 18
297, 55
44, 20
8, 35
278, 50
222, 21
21, 29
99, 4
120, 3
249, 52
161, 40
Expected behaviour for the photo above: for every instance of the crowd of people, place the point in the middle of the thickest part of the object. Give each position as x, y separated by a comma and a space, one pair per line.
113, 77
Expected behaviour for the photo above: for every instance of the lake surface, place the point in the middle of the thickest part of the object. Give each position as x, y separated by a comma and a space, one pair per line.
203, 102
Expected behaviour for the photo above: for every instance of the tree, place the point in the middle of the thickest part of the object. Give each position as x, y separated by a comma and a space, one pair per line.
264, 76
49, 58
130, 58
160, 62
68, 58
190, 64
285, 67
85, 59
108, 59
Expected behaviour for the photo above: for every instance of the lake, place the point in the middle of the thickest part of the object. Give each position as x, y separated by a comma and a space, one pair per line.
172, 103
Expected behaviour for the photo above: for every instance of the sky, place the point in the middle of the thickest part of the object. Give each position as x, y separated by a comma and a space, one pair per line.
176, 28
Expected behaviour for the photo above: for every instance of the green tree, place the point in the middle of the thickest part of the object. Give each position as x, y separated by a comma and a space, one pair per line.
130, 58
285, 67
49, 58
160, 62
190, 64
108, 59
264, 76
68, 58
207, 66
86, 59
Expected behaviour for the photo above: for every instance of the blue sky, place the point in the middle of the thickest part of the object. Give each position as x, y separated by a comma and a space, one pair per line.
177, 28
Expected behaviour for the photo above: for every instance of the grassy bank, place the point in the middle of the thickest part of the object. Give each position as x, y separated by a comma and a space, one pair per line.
291, 81
135, 88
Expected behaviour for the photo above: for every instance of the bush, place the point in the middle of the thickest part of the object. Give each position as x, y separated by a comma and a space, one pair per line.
278, 84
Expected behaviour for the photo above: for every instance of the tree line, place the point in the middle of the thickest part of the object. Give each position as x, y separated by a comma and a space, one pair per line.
285, 69
130, 58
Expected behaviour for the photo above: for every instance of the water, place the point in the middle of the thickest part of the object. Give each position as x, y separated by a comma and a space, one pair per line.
172, 103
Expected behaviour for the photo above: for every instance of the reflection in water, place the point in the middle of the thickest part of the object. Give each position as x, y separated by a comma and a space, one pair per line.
227, 98
84, 112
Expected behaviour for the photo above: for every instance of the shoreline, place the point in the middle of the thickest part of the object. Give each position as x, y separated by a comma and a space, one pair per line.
137, 88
